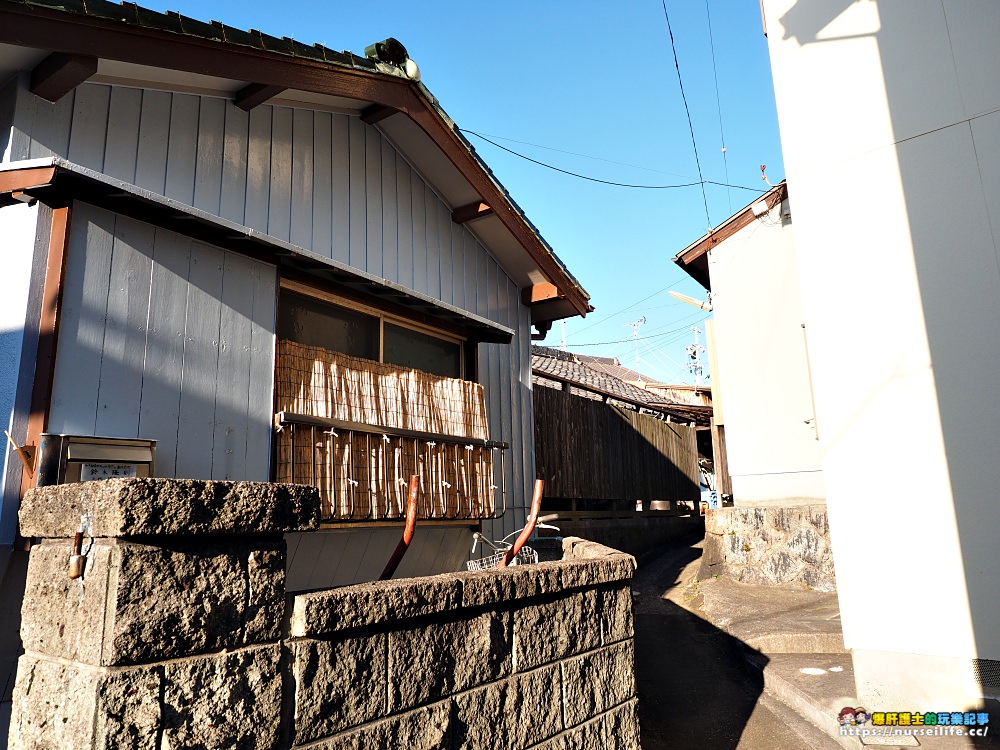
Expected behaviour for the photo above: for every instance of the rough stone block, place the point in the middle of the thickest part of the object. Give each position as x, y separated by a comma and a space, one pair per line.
584, 737
427, 728
511, 714
440, 659
616, 614
549, 631
169, 507
491, 587
338, 684
379, 602
594, 571
620, 727
137, 603
597, 682
227, 700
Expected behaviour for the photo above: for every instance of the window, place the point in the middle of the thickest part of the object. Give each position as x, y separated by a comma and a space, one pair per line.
358, 331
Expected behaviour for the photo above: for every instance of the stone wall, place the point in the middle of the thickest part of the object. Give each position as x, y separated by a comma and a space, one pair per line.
770, 546
180, 634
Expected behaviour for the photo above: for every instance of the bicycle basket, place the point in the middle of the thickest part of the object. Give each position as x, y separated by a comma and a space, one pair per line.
526, 556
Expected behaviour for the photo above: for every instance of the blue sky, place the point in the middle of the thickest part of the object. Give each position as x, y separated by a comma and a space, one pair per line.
589, 87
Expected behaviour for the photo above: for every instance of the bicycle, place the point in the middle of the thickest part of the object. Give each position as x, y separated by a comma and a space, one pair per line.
515, 552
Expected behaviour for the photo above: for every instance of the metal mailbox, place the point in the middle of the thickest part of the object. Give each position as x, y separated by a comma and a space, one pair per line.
64, 459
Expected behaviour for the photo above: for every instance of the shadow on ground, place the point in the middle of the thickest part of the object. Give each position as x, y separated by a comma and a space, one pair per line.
693, 689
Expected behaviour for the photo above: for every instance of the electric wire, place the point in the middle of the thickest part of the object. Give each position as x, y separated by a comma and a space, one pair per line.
701, 183
687, 110
718, 103
637, 338
582, 156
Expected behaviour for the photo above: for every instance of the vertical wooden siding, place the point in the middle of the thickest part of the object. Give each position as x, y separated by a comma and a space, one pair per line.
166, 338
589, 450
322, 180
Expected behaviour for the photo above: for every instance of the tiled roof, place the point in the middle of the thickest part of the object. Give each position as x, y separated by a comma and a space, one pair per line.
567, 367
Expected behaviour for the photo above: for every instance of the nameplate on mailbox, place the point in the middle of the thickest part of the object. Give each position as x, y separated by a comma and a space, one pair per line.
89, 472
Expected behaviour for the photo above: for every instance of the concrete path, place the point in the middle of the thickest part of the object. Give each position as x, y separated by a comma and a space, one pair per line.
694, 689
720, 664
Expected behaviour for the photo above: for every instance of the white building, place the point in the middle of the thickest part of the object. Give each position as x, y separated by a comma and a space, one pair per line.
890, 119
763, 422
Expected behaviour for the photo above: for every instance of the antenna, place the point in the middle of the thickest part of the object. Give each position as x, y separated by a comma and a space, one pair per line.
694, 354
562, 326
635, 325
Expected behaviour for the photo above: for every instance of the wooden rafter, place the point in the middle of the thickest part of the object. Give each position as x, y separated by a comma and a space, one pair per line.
532, 295
376, 113
255, 94
470, 211
59, 73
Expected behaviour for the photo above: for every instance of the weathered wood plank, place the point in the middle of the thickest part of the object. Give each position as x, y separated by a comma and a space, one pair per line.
123, 133
322, 194
390, 210
211, 152
419, 214
359, 217
589, 451
232, 386
404, 223
261, 400
196, 419
258, 168
341, 188
182, 148
82, 322
90, 126
303, 147
51, 127
161, 386
123, 355
234, 164
279, 212
154, 121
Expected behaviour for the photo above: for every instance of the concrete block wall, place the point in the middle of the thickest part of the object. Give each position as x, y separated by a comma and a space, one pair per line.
181, 635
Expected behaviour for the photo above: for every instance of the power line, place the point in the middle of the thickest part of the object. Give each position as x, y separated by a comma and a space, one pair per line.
639, 338
702, 183
718, 102
687, 110
576, 153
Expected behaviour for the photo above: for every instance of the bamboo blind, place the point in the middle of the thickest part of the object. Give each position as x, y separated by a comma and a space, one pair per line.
364, 476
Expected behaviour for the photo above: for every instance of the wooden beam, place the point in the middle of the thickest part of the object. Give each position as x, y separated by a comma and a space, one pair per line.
59, 73
48, 335
21, 179
255, 94
532, 295
376, 113
470, 211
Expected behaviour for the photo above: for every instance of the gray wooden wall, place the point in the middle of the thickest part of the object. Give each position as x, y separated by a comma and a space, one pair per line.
166, 338
324, 181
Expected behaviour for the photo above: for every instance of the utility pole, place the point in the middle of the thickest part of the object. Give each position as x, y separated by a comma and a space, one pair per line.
694, 354
635, 326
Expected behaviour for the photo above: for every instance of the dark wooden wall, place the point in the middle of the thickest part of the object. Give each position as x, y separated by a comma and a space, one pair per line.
591, 451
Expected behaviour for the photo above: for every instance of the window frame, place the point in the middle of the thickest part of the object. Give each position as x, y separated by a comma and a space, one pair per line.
307, 290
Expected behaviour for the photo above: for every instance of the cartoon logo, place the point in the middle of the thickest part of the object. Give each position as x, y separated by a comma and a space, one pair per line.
852, 716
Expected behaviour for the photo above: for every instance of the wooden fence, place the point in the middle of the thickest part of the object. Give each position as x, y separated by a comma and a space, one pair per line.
589, 451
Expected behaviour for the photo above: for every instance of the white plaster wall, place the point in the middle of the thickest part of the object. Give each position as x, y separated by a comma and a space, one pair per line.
892, 164
770, 439
17, 228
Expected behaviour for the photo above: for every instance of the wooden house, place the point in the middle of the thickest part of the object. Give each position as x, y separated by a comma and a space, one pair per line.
279, 262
